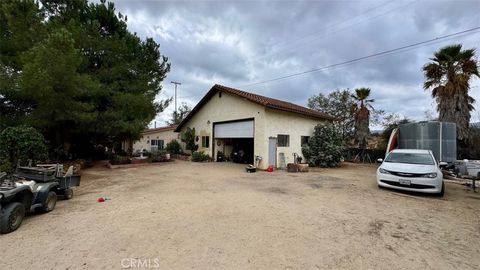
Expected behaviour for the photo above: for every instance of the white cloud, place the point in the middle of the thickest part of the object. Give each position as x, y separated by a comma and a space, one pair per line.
240, 42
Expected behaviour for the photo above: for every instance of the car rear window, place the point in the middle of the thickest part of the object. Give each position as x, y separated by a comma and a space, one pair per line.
410, 158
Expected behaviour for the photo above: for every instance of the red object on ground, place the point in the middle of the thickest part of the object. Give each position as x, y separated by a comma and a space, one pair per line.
270, 168
101, 200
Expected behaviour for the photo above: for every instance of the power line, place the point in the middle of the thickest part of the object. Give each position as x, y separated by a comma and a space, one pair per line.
366, 57
333, 31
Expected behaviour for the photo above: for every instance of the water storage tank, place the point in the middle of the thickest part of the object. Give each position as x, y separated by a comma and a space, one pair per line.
440, 137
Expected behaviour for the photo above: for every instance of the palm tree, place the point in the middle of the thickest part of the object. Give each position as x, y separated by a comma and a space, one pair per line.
362, 116
448, 77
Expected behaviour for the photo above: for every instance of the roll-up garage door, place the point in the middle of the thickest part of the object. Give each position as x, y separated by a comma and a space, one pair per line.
241, 129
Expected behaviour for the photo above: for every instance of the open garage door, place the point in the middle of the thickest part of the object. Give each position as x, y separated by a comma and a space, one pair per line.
240, 129
234, 140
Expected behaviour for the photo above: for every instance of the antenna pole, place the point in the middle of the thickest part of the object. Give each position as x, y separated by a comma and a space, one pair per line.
176, 83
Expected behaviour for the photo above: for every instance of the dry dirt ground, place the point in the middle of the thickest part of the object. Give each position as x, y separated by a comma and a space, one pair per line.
182, 215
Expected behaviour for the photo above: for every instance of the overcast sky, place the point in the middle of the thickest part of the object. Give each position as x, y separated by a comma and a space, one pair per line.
239, 43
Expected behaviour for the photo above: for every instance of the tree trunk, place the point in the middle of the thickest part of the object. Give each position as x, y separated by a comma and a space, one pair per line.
362, 127
455, 108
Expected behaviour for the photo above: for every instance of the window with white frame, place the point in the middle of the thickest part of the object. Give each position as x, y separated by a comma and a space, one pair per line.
156, 145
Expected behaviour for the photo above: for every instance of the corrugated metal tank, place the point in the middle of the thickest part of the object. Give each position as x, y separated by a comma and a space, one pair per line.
440, 137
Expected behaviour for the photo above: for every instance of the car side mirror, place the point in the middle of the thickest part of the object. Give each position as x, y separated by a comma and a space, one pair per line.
380, 160
442, 164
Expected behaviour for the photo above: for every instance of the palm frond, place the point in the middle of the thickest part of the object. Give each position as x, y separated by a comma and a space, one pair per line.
465, 55
450, 51
362, 93
436, 90
433, 71
471, 100
470, 67
427, 84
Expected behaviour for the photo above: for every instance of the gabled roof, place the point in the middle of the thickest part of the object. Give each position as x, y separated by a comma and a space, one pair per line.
261, 100
160, 129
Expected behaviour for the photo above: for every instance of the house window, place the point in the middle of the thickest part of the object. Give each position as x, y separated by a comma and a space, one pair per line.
156, 145
205, 141
304, 140
283, 140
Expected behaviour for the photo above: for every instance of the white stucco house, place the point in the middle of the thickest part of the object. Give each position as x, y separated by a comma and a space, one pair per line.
228, 119
154, 139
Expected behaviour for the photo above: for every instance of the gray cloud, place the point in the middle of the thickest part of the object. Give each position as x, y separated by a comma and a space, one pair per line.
237, 43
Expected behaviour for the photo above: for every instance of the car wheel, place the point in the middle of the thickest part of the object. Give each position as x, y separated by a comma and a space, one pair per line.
11, 217
442, 192
50, 202
68, 194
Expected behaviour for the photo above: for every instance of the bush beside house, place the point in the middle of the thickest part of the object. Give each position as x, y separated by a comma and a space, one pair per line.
325, 148
200, 157
174, 147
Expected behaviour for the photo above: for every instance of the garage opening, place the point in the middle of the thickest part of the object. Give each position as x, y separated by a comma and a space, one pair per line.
234, 140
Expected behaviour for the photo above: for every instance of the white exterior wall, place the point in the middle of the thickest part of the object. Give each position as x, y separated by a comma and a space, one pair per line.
285, 123
268, 123
227, 108
166, 136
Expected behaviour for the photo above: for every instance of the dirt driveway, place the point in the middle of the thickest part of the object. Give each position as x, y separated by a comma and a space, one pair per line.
215, 216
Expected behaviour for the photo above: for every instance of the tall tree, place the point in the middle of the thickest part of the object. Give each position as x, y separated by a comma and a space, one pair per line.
180, 114
362, 116
392, 121
21, 26
99, 80
338, 103
448, 77
59, 94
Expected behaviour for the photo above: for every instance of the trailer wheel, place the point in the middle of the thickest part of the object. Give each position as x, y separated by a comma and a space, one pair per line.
68, 194
49, 203
11, 217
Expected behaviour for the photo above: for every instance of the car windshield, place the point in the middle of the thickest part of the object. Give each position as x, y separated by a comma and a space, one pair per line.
410, 158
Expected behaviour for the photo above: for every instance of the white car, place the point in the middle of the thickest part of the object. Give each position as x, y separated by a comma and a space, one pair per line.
411, 170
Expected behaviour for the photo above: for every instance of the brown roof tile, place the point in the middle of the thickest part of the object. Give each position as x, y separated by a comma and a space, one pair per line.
262, 100
160, 129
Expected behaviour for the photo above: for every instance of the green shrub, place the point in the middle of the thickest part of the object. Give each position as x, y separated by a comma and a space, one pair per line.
325, 147
188, 137
21, 144
119, 160
174, 147
200, 157
158, 156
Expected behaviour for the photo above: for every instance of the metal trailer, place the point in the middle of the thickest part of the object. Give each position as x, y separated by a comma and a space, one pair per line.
30, 189
51, 173
439, 137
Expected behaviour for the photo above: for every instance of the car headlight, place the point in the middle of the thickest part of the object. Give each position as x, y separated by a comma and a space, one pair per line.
431, 175
383, 171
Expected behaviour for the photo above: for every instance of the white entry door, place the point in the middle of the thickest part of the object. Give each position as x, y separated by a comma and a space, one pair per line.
272, 151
